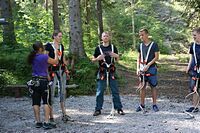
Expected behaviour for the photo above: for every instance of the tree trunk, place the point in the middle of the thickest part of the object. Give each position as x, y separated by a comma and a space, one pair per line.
76, 37
100, 20
9, 37
88, 19
46, 5
133, 24
55, 15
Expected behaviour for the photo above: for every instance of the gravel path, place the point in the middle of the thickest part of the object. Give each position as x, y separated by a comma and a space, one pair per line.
16, 115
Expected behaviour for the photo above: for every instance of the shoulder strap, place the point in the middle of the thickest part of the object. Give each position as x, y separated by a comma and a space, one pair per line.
112, 49
147, 56
194, 52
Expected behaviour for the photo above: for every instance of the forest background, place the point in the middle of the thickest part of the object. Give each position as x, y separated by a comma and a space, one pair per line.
82, 21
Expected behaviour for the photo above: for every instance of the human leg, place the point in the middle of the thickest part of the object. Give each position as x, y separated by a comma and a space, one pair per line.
142, 98
154, 95
152, 80
101, 85
36, 109
195, 97
115, 94
36, 100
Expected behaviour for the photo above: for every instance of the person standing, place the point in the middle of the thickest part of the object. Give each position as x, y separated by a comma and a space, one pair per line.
146, 68
40, 90
106, 54
193, 68
57, 72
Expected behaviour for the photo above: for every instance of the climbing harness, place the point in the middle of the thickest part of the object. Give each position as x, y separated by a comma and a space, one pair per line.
59, 75
143, 75
196, 87
142, 65
110, 69
35, 82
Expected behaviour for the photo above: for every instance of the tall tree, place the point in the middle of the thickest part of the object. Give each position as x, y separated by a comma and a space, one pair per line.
88, 18
192, 12
133, 23
9, 37
76, 36
55, 15
99, 15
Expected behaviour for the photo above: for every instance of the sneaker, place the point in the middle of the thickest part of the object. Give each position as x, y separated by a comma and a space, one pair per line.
52, 122
192, 109
38, 125
120, 111
97, 112
155, 108
69, 118
140, 108
47, 126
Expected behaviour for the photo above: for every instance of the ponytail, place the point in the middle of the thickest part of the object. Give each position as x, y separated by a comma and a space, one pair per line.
36, 47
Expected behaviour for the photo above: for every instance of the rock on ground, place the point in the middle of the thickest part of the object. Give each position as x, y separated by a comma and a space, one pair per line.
16, 116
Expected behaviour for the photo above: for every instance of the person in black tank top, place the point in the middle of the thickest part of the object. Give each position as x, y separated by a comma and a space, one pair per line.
58, 72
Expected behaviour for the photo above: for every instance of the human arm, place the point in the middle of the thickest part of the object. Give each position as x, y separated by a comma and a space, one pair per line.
114, 55
138, 64
55, 60
98, 58
189, 64
152, 61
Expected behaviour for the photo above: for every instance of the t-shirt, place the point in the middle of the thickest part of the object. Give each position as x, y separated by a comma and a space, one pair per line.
105, 51
40, 65
50, 49
197, 51
152, 52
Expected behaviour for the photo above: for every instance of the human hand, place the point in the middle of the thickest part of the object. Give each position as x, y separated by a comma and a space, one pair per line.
101, 57
138, 72
146, 67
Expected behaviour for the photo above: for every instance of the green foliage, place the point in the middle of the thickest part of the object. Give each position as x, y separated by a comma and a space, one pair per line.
32, 23
84, 77
16, 65
7, 78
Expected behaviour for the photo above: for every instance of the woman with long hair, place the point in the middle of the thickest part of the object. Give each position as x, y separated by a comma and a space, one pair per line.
40, 63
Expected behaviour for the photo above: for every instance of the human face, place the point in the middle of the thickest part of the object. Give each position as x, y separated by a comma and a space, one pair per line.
143, 36
105, 37
58, 38
196, 36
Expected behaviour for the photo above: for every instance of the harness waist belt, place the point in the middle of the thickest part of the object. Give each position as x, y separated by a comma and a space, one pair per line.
39, 77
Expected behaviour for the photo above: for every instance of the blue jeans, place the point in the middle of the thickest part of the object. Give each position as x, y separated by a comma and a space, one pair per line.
101, 87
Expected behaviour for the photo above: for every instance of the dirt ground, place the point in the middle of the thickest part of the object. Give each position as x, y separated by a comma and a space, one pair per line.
172, 84
16, 114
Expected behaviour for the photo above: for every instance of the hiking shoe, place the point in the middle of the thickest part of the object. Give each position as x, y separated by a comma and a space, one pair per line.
139, 108
47, 126
38, 124
65, 118
120, 111
52, 122
97, 112
155, 108
192, 109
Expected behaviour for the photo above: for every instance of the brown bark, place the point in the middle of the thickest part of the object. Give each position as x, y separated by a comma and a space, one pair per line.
76, 37
100, 20
9, 37
55, 15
